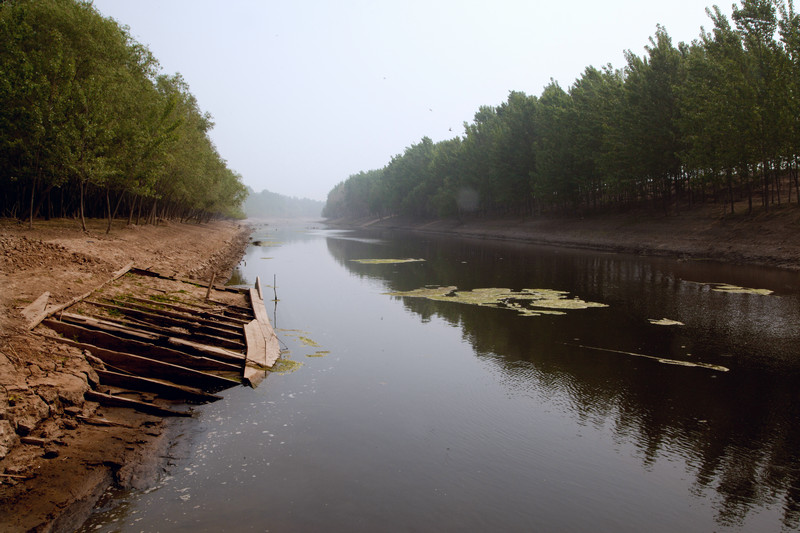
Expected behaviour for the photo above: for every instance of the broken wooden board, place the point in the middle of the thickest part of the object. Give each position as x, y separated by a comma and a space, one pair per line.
146, 367
163, 388
136, 346
144, 407
154, 274
34, 311
265, 349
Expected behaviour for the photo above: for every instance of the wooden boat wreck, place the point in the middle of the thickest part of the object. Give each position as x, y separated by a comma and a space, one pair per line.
153, 339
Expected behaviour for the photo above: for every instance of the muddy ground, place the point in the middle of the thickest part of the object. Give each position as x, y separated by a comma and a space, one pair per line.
58, 452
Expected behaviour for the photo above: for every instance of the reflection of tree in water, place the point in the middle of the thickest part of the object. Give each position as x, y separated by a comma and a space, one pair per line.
237, 278
736, 431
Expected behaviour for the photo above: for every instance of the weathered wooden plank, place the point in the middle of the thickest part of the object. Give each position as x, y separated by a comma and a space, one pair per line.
192, 321
221, 337
271, 353
165, 389
212, 352
96, 421
170, 349
34, 311
260, 313
147, 367
50, 310
108, 326
153, 351
201, 338
236, 309
203, 312
144, 407
255, 369
153, 274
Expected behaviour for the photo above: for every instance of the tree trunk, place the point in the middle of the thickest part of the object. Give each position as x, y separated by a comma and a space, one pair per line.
133, 206
108, 209
82, 186
729, 177
765, 182
33, 191
796, 184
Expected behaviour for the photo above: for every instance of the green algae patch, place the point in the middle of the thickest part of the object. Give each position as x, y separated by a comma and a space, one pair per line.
665, 322
301, 336
285, 366
319, 353
386, 261
526, 302
731, 289
735, 289
307, 342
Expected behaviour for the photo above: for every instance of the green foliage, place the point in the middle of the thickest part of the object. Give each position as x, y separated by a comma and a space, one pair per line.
715, 119
85, 114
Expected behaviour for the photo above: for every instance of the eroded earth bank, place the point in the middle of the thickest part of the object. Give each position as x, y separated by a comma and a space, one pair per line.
59, 452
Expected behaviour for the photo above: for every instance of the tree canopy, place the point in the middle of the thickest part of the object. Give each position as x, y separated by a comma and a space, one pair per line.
89, 125
713, 120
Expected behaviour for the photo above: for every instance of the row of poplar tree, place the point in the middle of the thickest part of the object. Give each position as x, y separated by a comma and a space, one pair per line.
89, 127
718, 118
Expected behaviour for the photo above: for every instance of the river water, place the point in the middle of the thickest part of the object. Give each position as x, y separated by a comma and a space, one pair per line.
447, 410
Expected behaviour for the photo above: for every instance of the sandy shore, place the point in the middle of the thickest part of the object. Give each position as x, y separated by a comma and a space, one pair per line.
53, 464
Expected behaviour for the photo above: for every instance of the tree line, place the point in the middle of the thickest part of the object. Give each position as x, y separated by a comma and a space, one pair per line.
267, 204
716, 119
89, 127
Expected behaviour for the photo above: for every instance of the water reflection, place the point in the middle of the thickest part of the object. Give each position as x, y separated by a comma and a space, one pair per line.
736, 432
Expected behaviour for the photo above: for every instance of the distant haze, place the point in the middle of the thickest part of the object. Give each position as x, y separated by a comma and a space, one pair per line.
304, 94
268, 204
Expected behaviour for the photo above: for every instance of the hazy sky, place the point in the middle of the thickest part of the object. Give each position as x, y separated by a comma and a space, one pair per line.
305, 93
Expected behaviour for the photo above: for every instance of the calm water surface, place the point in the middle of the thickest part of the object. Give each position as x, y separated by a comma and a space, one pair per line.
408, 414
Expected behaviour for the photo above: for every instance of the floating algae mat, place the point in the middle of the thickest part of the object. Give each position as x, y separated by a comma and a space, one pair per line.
284, 365
385, 261
733, 289
527, 302
304, 338
665, 322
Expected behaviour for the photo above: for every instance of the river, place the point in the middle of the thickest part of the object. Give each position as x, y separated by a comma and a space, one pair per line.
565, 402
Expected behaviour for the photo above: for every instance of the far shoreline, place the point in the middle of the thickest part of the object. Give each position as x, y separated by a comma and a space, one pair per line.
764, 239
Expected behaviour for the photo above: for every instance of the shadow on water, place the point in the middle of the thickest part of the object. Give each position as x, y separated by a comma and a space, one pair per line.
737, 431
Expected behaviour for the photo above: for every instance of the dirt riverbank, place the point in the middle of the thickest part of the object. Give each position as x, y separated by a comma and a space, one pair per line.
58, 452
708, 232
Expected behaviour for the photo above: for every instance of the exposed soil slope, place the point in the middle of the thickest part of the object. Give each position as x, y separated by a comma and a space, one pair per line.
58, 452
707, 232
